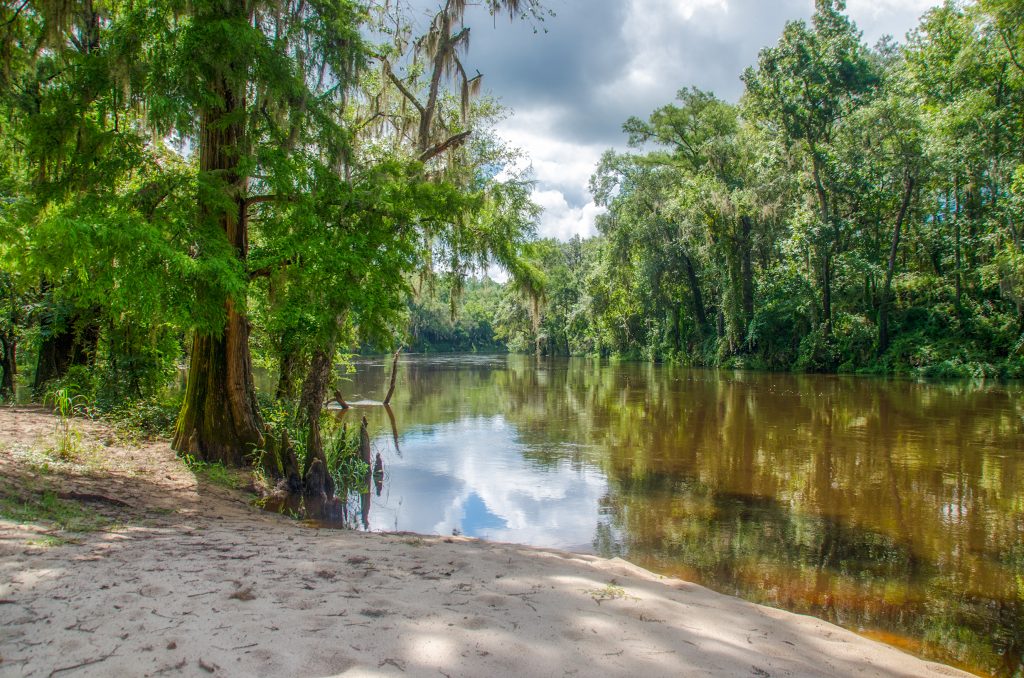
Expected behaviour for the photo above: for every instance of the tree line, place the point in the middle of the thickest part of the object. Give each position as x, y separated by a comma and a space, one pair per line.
860, 209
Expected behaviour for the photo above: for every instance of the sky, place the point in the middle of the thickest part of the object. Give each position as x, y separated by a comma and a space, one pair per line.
571, 81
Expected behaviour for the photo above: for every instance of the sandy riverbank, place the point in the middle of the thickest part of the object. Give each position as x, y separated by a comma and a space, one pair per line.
188, 579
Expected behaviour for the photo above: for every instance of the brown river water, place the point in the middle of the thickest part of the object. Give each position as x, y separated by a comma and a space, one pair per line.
891, 507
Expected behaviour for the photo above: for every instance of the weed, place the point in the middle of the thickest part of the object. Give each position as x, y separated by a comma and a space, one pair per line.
66, 406
610, 591
344, 463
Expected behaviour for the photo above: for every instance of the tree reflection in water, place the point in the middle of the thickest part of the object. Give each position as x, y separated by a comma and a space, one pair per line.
891, 507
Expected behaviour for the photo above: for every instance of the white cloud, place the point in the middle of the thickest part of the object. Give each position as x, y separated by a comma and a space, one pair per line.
580, 85
479, 461
893, 17
561, 220
562, 170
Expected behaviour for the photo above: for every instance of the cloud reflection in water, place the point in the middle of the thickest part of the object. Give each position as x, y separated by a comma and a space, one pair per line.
471, 475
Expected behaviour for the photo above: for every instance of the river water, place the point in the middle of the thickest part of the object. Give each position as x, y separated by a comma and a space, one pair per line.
890, 507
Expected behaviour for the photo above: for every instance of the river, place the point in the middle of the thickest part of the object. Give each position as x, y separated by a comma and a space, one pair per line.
891, 507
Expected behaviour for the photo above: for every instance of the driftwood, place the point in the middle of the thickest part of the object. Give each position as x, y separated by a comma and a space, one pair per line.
340, 399
394, 374
364, 442
378, 474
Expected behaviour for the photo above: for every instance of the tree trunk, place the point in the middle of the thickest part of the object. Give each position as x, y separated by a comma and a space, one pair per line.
698, 299
826, 292
314, 391
286, 375
826, 250
394, 375
747, 270
956, 242
677, 339
9, 366
220, 419
73, 343
883, 310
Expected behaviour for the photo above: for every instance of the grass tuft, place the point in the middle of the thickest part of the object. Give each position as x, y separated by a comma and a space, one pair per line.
48, 509
211, 472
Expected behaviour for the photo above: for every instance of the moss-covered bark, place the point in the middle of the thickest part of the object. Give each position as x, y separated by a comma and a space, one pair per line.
220, 419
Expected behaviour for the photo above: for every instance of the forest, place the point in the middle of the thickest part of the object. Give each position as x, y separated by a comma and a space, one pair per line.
859, 210
231, 185
197, 190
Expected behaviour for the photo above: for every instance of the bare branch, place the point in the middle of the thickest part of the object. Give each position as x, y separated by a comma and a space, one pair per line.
1009, 49
403, 89
256, 199
450, 142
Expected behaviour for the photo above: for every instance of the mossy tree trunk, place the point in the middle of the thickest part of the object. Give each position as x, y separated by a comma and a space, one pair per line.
314, 392
286, 374
220, 419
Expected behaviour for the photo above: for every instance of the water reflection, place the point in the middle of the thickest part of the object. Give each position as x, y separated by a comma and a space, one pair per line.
887, 506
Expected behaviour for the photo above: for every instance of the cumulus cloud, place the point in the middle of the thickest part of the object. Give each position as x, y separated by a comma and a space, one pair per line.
483, 489
573, 82
560, 219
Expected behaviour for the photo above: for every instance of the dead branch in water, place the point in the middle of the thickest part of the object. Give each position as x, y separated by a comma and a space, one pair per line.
394, 374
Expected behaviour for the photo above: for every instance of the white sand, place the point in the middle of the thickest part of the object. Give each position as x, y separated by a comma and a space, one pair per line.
215, 587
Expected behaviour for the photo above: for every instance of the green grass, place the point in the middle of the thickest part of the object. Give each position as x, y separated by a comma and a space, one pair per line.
66, 406
211, 472
48, 509
88, 459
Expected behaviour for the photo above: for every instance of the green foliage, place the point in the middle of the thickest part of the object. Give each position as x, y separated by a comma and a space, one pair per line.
859, 211
211, 472
47, 508
164, 166
147, 418
464, 321
344, 462
66, 406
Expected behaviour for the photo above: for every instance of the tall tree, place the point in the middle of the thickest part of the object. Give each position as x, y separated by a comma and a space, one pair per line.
802, 89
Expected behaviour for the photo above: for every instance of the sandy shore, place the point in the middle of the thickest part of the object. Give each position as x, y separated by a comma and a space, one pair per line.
193, 581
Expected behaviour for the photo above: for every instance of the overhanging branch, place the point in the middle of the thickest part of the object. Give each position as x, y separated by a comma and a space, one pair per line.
450, 142
403, 89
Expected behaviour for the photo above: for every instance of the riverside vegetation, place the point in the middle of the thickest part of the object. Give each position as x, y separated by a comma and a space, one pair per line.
859, 210
279, 184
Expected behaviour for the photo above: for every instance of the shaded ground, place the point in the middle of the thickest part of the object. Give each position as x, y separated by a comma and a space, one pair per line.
186, 578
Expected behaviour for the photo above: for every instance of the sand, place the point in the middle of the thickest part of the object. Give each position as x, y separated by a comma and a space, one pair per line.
194, 581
